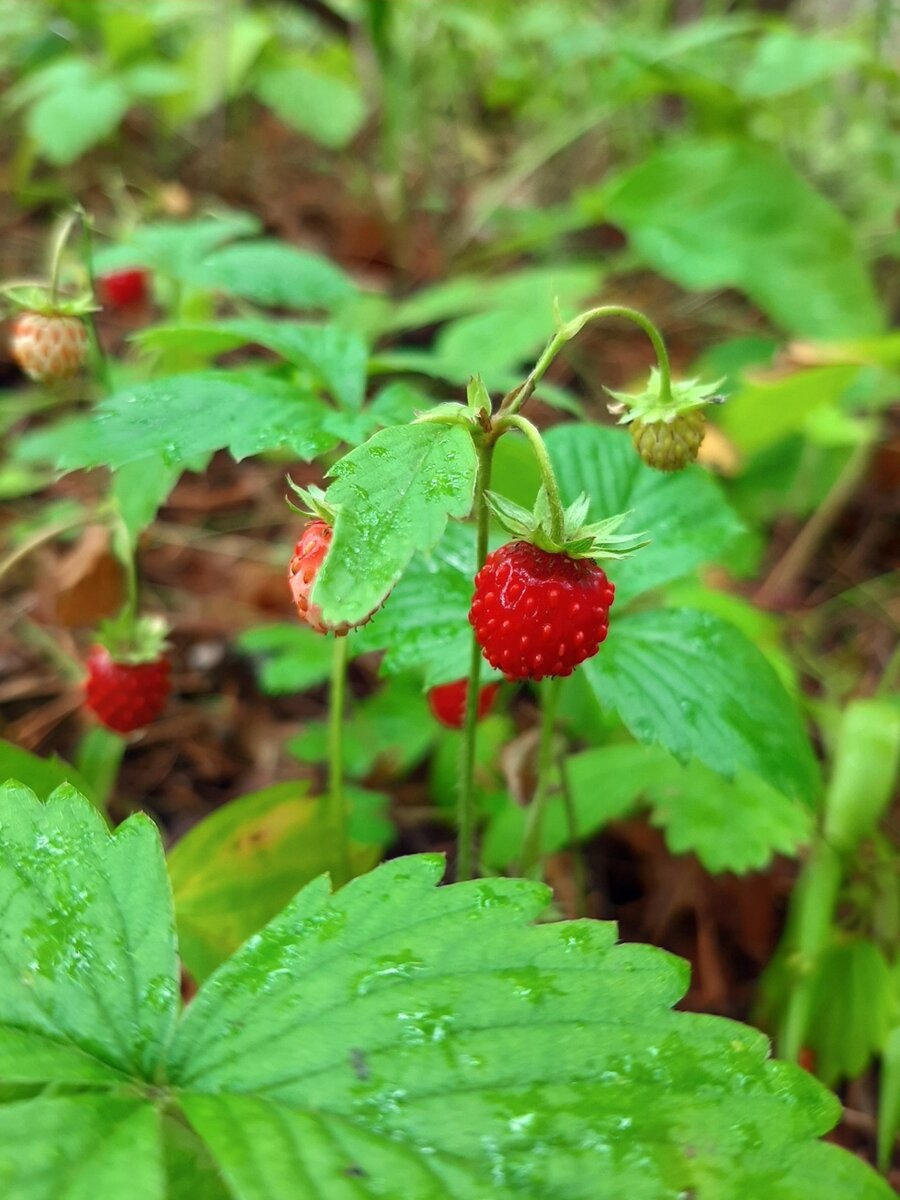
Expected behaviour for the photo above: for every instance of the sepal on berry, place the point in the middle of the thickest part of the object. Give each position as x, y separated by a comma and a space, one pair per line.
596, 540
133, 640
650, 405
38, 298
314, 502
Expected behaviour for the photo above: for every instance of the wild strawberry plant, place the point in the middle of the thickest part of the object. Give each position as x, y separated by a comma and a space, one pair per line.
393, 1035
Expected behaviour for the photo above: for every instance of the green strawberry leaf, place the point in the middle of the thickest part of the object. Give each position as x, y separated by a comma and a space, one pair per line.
290, 657
854, 1005
236, 869
174, 247
425, 625
731, 825
716, 213
688, 520
393, 727
393, 1037
88, 971
337, 355
274, 274
392, 496
42, 775
324, 106
184, 417
693, 683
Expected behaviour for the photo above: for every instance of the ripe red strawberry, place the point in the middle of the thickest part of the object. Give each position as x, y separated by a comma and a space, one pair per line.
120, 289
48, 347
125, 696
448, 702
538, 613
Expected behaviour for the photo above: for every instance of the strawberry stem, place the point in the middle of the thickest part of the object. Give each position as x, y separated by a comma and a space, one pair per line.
100, 364
337, 804
59, 245
514, 400
548, 475
465, 818
531, 841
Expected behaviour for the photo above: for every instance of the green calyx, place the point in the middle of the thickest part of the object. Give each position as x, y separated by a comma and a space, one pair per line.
650, 406
39, 298
597, 540
313, 502
133, 640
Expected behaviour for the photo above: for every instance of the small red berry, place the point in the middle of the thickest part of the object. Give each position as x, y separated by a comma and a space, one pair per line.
125, 696
308, 556
448, 702
536, 613
48, 348
119, 289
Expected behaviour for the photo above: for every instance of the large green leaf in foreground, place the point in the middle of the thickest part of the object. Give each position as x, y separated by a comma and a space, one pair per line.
394, 1039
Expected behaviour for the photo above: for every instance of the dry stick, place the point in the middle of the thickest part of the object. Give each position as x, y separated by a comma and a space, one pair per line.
792, 563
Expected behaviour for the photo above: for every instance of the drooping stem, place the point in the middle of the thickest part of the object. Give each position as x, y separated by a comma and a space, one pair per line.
465, 819
101, 366
337, 804
548, 475
514, 400
531, 841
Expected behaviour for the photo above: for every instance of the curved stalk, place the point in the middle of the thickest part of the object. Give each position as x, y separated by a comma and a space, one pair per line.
337, 804
548, 475
531, 841
514, 400
58, 246
465, 812
101, 366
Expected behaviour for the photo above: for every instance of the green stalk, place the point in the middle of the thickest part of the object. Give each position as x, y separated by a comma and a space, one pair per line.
337, 805
56, 259
101, 366
816, 897
548, 475
514, 400
465, 812
531, 841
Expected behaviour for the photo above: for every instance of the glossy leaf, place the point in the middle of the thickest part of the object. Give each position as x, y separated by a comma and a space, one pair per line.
42, 775
337, 355
730, 213
184, 417
687, 519
87, 946
693, 683
236, 869
392, 1037
392, 496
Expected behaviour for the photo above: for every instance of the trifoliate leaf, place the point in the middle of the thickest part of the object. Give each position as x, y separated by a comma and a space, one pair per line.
395, 1038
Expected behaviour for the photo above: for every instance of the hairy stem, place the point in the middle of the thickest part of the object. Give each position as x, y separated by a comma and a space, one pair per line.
465, 819
56, 259
337, 804
548, 475
514, 400
531, 842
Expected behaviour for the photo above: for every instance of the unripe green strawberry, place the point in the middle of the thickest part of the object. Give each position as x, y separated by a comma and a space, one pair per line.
669, 445
48, 347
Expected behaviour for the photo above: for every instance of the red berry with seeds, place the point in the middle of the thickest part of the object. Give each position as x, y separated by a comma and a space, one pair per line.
448, 702
121, 289
125, 696
537, 613
48, 347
